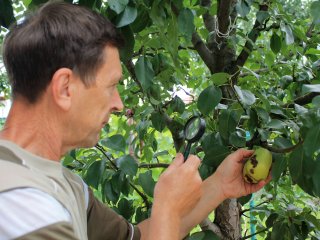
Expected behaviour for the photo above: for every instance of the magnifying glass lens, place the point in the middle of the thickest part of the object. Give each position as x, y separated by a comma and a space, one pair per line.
192, 129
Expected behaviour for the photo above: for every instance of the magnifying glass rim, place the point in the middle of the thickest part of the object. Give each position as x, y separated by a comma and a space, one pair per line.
202, 127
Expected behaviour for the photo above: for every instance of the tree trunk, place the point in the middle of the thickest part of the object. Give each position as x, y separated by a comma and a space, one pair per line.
228, 219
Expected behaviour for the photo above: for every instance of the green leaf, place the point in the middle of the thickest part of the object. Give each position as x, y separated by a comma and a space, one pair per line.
118, 5
128, 165
245, 96
86, 3
301, 167
312, 141
115, 142
141, 214
316, 101
147, 183
312, 51
243, 200
278, 231
205, 235
158, 121
125, 208
6, 13
214, 150
296, 163
109, 193
279, 166
142, 128
197, 236
270, 220
155, 93
228, 122
308, 88
142, 21
316, 178
209, 99
242, 8
262, 16
282, 142
276, 124
26, 3
185, 23
288, 31
220, 78
127, 51
315, 10
270, 58
215, 155
144, 72
263, 114
94, 173
126, 17
209, 235
237, 139
177, 105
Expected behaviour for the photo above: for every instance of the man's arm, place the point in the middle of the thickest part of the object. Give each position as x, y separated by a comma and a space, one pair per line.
175, 194
226, 182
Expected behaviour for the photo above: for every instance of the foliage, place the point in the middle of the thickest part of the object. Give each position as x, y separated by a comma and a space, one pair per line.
250, 68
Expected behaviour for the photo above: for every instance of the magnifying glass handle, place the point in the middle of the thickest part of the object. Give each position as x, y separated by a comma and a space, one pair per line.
187, 151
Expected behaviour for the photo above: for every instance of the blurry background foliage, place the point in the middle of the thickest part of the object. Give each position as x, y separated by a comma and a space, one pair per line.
250, 68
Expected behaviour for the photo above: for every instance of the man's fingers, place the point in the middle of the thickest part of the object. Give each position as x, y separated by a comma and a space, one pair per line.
242, 154
193, 161
178, 160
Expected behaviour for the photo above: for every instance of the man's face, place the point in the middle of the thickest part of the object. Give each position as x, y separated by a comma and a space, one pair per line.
93, 105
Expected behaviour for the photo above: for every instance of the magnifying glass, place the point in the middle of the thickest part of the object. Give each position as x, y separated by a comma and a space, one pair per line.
193, 131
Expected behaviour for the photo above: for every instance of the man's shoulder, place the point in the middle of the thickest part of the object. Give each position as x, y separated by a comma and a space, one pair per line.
39, 213
13, 175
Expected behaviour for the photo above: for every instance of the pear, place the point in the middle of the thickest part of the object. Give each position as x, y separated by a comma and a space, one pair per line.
257, 166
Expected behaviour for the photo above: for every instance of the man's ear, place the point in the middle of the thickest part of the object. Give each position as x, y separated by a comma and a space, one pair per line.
61, 87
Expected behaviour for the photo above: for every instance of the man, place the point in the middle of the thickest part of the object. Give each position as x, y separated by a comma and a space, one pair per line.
63, 65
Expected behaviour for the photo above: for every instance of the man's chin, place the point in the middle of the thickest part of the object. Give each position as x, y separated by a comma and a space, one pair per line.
90, 144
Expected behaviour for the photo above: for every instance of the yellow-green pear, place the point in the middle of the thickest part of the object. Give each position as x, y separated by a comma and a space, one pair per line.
257, 166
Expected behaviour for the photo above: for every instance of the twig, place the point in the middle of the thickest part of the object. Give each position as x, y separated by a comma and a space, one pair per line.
154, 165
142, 195
249, 236
279, 150
246, 210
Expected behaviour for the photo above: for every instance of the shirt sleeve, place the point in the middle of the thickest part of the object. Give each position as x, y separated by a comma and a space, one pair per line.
106, 224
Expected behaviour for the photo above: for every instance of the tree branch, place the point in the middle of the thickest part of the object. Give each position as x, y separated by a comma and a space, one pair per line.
253, 35
309, 32
224, 10
249, 236
154, 165
246, 210
203, 51
129, 65
207, 18
281, 150
142, 195
175, 128
303, 100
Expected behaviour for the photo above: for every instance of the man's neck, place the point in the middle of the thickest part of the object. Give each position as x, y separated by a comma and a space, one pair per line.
32, 129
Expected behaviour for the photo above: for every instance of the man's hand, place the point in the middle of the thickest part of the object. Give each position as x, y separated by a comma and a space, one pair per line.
179, 187
230, 179
176, 194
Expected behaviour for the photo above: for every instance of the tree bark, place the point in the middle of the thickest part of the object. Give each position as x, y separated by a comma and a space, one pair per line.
228, 219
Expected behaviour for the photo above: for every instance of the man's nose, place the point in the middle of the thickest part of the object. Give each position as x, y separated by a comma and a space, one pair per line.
117, 102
